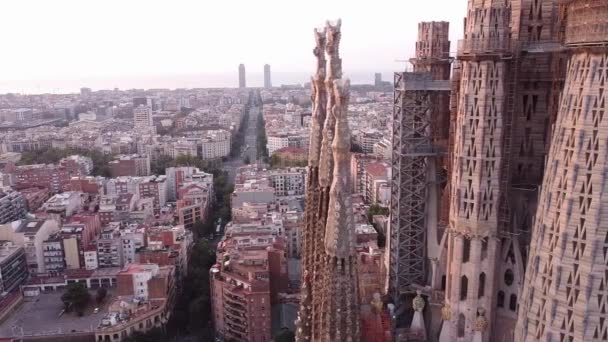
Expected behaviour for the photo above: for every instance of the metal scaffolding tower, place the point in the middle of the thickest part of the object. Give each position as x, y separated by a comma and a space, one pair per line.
412, 147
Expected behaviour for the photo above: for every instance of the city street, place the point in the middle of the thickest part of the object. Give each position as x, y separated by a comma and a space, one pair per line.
249, 147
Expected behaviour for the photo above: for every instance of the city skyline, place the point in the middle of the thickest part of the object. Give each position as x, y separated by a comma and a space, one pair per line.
244, 172
112, 41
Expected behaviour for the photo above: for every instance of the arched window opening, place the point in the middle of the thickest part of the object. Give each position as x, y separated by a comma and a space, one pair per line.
513, 302
500, 300
482, 285
466, 249
464, 287
461, 323
509, 277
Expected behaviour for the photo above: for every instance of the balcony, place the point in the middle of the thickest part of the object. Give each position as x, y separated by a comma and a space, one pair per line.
235, 305
241, 323
231, 334
236, 328
234, 314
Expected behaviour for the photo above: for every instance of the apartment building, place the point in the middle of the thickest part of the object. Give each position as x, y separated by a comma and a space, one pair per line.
109, 248
215, 144
53, 177
288, 181
193, 203
30, 234
146, 295
154, 187
53, 254
65, 204
13, 266
250, 272
13, 206
130, 165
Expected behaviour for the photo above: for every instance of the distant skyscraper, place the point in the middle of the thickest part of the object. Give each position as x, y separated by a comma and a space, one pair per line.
378, 79
242, 80
142, 116
267, 82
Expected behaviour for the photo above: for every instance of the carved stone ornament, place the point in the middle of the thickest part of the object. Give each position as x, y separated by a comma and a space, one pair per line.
418, 302
446, 312
481, 323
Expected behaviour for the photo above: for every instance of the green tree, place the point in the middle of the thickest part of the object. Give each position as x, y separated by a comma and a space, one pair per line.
193, 308
102, 292
202, 228
275, 161
159, 165
261, 128
76, 296
53, 155
376, 209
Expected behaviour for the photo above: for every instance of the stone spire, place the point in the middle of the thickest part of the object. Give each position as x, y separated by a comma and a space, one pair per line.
319, 99
313, 233
334, 64
329, 309
340, 230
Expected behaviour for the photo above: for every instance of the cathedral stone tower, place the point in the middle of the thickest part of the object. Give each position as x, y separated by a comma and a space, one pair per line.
565, 296
476, 184
329, 308
505, 81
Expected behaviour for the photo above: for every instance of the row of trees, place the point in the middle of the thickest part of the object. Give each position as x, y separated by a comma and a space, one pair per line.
77, 297
277, 162
262, 140
159, 165
54, 155
192, 313
239, 137
191, 316
376, 209
220, 208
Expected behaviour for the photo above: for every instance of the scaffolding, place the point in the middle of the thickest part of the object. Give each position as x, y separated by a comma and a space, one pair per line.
412, 147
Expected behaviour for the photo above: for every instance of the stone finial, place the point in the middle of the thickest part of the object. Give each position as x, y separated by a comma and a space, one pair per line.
319, 99
333, 34
446, 312
332, 47
320, 36
418, 303
481, 323
377, 302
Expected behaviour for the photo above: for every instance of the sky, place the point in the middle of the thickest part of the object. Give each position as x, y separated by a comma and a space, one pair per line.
52, 40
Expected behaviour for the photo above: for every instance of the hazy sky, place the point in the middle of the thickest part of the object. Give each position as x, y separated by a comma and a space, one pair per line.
59, 39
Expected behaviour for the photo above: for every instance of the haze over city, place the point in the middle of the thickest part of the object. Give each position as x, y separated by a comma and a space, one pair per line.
59, 46
304, 171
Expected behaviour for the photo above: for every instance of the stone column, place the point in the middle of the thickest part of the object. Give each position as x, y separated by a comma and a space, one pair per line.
473, 276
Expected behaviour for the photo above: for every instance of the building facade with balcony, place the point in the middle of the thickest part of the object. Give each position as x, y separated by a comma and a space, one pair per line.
12, 206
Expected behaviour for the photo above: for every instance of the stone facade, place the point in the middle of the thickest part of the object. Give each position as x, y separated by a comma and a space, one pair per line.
564, 296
